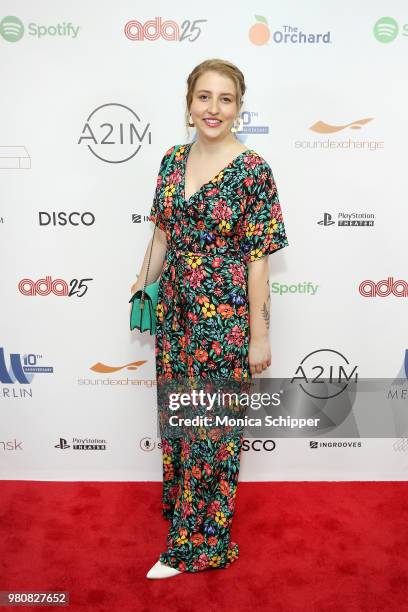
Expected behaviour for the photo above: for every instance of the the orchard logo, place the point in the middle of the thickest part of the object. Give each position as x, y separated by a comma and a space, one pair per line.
383, 288
65, 218
324, 374
114, 133
45, 286
260, 33
166, 29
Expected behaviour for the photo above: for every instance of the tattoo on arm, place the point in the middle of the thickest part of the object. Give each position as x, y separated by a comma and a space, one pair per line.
265, 314
266, 307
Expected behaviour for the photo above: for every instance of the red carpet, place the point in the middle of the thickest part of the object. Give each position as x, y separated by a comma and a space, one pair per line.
304, 546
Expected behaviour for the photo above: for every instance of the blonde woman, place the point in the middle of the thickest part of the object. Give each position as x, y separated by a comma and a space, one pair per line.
218, 217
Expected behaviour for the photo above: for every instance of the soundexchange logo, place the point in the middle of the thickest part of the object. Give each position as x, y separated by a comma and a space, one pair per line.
12, 29
356, 144
386, 30
260, 33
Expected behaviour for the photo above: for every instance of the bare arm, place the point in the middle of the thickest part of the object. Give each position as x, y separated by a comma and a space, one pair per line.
156, 262
259, 314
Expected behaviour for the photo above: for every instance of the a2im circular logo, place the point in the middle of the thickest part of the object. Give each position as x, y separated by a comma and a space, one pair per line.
386, 29
114, 133
11, 29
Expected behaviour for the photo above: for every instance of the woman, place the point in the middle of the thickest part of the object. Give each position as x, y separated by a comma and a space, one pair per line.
218, 217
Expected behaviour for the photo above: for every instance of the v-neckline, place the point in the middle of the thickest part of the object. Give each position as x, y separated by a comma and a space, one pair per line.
184, 166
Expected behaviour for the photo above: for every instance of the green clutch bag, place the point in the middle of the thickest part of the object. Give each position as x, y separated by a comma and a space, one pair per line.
143, 314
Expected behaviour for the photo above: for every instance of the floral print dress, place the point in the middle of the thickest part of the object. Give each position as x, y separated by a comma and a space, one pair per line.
202, 331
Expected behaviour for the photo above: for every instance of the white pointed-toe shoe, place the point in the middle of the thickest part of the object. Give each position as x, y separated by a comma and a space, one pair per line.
159, 570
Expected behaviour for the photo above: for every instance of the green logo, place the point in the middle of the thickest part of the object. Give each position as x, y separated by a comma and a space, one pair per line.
386, 29
11, 28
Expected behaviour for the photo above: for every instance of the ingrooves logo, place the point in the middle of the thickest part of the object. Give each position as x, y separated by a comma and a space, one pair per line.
22, 368
114, 133
169, 30
12, 29
58, 286
260, 33
324, 374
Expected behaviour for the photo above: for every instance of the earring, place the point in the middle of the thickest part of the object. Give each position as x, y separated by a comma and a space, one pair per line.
237, 128
190, 123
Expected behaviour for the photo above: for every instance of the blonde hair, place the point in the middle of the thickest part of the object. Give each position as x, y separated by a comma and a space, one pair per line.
222, 67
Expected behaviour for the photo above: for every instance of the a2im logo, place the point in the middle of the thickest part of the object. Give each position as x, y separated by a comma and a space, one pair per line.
22, 368
12, 29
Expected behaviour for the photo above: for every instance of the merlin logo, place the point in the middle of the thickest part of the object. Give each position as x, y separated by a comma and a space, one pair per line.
20, 367
114, 133
62, 444
330, 363
169, 30
12, 29
325, 128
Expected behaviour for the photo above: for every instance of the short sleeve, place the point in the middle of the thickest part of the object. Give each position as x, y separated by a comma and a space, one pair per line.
263, 228
156, 212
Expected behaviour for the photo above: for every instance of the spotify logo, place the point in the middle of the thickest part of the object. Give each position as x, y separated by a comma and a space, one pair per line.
386, 29
11, 29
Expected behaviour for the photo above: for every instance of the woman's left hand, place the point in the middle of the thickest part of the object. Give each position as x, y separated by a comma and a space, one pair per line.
259, 355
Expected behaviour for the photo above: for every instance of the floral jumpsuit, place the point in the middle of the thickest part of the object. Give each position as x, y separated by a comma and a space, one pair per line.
203, 331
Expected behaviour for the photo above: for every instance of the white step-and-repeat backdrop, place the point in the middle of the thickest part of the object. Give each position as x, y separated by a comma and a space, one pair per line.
92, 95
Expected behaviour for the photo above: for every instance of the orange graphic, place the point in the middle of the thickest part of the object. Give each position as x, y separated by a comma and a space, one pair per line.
325, 128
105, 369
259, 33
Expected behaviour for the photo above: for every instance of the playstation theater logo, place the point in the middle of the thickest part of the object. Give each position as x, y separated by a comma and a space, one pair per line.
19, 370
347, 219
82, 444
